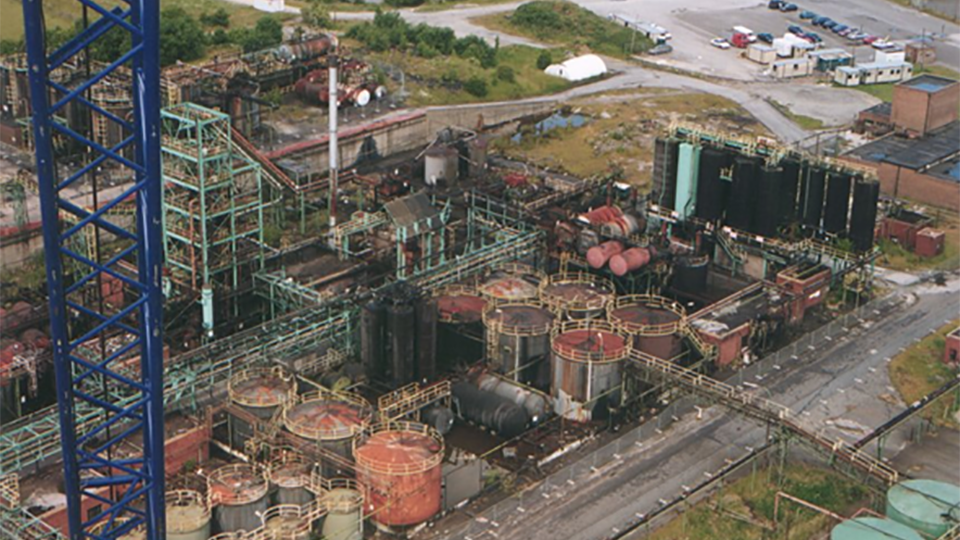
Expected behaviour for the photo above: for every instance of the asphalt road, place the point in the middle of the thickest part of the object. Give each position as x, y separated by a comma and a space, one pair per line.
845, 375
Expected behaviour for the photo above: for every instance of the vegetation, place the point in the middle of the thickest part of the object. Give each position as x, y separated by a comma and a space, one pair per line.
806, 122
920, 370
565, 23
895, 257
744, 509
884, 92
316, 14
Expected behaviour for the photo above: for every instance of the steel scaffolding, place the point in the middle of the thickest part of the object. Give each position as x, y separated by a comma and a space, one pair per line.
213, 202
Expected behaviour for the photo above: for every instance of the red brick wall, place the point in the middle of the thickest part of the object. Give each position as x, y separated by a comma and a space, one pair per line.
917, 112
192, 445
951, 353
57, 518
728, 345
918, 186
904, 233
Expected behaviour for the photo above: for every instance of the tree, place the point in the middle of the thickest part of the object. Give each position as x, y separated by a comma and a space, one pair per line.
181, 37
476, 86
505, 74
316, 14
544, 60
220, 18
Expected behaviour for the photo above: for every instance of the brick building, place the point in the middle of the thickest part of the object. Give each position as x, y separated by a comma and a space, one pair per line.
951, 353
924, 104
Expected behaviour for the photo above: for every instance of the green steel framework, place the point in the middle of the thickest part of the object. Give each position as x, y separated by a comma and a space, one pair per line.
213, 202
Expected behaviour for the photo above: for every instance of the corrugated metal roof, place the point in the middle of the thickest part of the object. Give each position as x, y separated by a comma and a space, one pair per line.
411, 209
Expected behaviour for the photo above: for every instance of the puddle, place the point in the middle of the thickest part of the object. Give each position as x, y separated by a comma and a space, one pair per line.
554, 121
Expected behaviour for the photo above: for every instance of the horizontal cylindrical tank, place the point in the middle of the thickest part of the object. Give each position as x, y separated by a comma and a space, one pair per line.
439, 418
621, 227
332, 419
536, 404
631, 259
399, 467
238, 493
928, 506
598, 255
344, 519
871, 528
518, 335
289, 474
586, 368
577, 295
304, 50
286, 522
261, 390
188, 515
654, 323
488, 409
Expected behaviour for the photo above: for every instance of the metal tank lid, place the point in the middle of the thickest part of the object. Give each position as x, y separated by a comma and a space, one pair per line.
325, 415
519, 319
459, 304
871, 528
576, 291
589, 341
927, 501
261, 387
400, 448
187, 511
237, 484
646, 314
290, 473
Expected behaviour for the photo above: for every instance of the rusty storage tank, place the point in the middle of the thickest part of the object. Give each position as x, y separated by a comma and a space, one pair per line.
459, 304
598, 255
289, 475
238, 493
188, 515
441, 163
577, 295
653, 323
517, 338
399, 467
332, 419
586, 368
344, 502
261, 391
286, 522
514, 283
632, 259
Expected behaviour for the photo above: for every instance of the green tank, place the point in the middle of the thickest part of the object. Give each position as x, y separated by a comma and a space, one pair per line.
928, 506
871, 528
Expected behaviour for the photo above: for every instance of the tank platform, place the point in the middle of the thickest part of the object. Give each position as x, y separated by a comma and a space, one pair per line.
187, 511
327, 416
237, 484
509, 288
400, 448
519, 319
596, 341
460, 305
290, 474
647, 315
576, 292
261, 387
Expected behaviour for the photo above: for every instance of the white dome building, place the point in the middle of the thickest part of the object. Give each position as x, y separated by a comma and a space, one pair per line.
579, 68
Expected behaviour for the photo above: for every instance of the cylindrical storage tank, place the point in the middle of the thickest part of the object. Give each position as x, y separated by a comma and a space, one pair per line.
490, 410
477, 154
710, 202
666, 158
286, 522
598, 255
631, 260
426, 364
332, 419
188, 515
928, 506
767, 215
457, 304
261, 391
690, 275
871, 528
372, 327
863, 216
402, 327
399, 467
621, 226
238, 493
289, 475
515, 283
344, 519
536, 404
743, 193
652, 321
586, 368
440, 164
439, 418
578, 295
788, 194
137, 533
517, 337
814, 186
838, 203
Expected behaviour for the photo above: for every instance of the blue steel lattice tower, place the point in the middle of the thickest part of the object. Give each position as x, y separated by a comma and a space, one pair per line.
109, 492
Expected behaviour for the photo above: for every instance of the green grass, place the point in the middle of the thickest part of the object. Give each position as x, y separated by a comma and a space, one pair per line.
806, 122
63, 13
743, 510
895, 257
444, 6
569, 25
920, 370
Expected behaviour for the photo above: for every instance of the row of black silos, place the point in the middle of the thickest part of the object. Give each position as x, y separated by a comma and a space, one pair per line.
398, 338
749, 193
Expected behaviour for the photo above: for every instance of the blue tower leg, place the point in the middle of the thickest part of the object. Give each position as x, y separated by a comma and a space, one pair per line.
121, 494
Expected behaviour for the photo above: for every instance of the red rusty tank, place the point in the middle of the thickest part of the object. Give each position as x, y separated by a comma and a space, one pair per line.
18, 312
653, 321
35, 339
459, 305
586, 367
598, 256
630, 260
399, 467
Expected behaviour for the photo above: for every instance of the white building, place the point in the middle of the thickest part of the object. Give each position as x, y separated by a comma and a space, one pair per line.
761, 54
873, 73
579, 68
794, 67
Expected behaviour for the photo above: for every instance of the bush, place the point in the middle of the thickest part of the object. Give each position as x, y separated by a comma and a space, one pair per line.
544, 60
505, 74
316, 14
476, 86
267, 33
219, 17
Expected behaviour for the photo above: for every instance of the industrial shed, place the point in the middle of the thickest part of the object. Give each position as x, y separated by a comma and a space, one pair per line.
579, 68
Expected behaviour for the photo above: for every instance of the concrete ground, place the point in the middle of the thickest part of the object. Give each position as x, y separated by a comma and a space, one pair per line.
935, 456
829, 104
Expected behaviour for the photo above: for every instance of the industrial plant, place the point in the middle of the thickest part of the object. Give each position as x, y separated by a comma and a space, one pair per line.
380, 326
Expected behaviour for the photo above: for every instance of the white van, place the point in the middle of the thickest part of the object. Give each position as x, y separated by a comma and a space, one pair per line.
744, 30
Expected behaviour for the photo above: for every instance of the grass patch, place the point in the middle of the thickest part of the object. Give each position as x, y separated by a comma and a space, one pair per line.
621, 129
920, 370
895, 257
744, 509
567, 24
444, 6
929, 11
63, 13
806, 122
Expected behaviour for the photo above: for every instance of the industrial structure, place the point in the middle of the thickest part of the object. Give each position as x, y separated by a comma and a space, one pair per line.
346, 352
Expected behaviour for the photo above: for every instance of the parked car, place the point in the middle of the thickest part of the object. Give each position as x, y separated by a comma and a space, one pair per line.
839, 28
868, 39
775, 4
807, 14
818, 21
812, 37
662, 48
720, 43
796, 30
765, 37
846, 32
829, 24
856, 36
882, 44
789, 7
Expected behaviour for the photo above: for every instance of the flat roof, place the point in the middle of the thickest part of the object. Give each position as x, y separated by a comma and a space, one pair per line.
915, 154
929, 83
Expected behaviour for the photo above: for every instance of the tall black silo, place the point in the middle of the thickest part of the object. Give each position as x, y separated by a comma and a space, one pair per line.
666, 157
788, 191
709, 190
766, 217
838, 203
743, 193
813, 197
863, 217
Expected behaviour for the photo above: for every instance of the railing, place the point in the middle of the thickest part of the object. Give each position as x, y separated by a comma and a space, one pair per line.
309, 429
598, 356
399, 469
410, 398
222, 484
651, 302
496, 322
274, 374
603, 292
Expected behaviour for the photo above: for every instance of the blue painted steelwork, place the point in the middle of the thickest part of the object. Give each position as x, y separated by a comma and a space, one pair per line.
127, 395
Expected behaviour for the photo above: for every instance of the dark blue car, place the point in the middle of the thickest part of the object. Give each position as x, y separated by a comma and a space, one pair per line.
789, 7
807, 14
817, 21
765, 37
839, 28
794, 29
813, 37
829, 24
775, 4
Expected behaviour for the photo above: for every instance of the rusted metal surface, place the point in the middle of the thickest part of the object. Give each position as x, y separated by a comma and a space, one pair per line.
586, 367
653, 322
